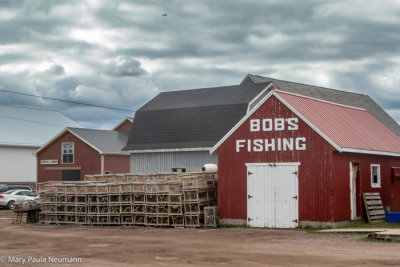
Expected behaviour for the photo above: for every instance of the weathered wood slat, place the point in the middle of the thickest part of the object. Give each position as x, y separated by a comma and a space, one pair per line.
373, 207
373, 197
374, 202
377, 212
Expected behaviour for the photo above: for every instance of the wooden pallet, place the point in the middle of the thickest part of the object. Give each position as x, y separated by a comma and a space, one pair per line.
373, 207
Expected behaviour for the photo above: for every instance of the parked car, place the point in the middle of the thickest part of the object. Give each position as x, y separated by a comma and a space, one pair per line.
7, 187
12, 197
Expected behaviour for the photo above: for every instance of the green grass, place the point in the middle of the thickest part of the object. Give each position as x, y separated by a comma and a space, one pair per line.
370, 225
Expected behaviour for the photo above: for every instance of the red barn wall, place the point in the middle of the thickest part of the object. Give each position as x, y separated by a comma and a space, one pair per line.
315, 176
389, 190
117, 163
84, 156
125, 127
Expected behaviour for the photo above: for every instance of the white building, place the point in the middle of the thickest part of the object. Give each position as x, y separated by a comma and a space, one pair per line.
22, 132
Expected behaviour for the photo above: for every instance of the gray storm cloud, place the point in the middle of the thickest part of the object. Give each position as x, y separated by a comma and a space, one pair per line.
123, 53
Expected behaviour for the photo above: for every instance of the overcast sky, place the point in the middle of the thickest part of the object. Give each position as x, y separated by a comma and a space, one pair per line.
123, 53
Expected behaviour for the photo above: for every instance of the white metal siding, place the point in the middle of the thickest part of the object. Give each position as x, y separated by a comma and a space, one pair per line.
272, 191
17, 164
165, 161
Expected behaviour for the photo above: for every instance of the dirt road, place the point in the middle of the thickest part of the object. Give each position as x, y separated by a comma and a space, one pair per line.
138, 246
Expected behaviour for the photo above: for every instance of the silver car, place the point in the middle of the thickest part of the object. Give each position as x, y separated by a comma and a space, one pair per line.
11, 197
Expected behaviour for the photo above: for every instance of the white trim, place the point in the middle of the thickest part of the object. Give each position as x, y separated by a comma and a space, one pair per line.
353, 191
260, 94
321, 100
59, 135
122, 153
338, 148
372, 152
274, 164
170, 150
288, 106
62, 152
92, 146
51, 141
379, 183
231, 131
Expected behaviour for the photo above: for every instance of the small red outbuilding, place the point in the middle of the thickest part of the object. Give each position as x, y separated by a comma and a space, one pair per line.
76, 152
295, 160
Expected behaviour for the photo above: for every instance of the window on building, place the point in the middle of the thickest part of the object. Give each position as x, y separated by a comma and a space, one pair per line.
68, 152
179, 170
107, 172
375, 175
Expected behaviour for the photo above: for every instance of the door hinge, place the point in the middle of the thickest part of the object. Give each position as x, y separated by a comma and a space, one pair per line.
249, 196
295, 221
295, 173
295, 197
249, 219
249, 173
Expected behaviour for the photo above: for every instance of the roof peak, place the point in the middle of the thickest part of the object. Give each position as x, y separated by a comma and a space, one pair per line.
319, 100
323, 87
208, 88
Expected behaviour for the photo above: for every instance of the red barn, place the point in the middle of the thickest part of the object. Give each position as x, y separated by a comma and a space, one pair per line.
294, 160
76, 152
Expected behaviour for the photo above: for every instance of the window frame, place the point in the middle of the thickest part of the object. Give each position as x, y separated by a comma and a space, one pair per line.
379, 176
179, 170
73, 152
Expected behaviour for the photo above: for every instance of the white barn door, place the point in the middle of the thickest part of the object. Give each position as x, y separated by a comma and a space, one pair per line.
272, 195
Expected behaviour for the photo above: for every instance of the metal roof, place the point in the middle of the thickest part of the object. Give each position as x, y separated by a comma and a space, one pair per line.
30, 127
337, 96
104, 140
348, 127
191, 118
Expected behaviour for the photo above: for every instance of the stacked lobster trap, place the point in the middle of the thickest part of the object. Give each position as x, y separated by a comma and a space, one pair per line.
160, 200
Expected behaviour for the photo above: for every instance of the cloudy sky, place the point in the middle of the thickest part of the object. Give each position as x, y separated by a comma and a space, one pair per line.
123, 53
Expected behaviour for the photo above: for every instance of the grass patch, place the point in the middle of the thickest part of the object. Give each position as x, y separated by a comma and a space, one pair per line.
360, 225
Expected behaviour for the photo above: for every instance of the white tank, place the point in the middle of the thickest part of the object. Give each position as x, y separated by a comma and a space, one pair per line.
209, 167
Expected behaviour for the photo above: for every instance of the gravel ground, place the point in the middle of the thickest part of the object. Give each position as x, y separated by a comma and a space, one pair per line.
44, 245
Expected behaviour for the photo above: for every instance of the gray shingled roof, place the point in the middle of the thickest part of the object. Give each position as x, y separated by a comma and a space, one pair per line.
190, 119
104, 140
341, 97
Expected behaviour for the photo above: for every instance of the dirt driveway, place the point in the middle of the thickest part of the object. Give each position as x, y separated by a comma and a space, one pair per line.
44, 245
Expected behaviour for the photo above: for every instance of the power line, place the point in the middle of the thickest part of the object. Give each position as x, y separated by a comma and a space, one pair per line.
68, 101
38, 122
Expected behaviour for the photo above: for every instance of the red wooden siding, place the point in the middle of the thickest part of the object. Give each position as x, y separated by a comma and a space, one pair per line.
125, 127
389, 190
315, 176
84, 156
117, 163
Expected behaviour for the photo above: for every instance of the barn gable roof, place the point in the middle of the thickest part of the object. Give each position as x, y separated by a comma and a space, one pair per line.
337, 96
103, 141
346, 128
190, 119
